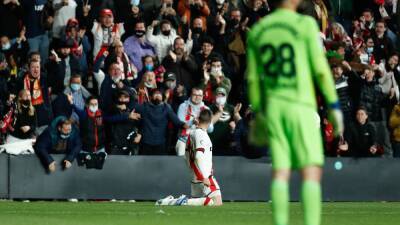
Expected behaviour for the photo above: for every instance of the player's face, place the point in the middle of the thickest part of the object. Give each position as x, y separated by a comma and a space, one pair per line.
361, 117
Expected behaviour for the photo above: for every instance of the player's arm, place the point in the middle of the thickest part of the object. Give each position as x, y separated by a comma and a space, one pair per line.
322, 74
319, 65
254, 70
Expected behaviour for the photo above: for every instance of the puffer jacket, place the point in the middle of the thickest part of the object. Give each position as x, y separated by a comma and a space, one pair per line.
371, 97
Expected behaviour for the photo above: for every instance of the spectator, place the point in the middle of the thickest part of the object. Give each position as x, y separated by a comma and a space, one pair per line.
213, 79
163, 42
11, 14
61, 137
373, 99
24, 123
188, 112
15, 50
174, 94
180, 62
167, 12
61, 68
105, 33
37, 19
338, 34
224, 127
198, 33
137, 46
113, 83
61, 106
118, 55
207, 53
254, 10
394, 124
146, 86
36, 83
155, 116
384, 46
125, 136
64, 10
188, 10
361, 136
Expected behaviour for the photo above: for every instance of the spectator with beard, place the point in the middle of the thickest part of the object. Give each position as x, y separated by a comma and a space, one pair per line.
35, 81
146, 86
61, 137
182, 64
162, 42
155, 116
125, 136
137, 46
105, 33
61, 67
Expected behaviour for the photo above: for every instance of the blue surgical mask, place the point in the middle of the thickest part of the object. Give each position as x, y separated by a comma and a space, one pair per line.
370, 49
75, 87
135, 2
149, 67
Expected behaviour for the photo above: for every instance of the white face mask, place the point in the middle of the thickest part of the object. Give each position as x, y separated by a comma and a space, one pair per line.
116, 79
6, 46
216, 71
149, 85
220, 100
220, 2
93, 108
170, 85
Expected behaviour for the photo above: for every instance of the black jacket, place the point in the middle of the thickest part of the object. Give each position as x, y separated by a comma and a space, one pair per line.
56, 73
372, 98
360, 138
21, 119
184, 70
91, 130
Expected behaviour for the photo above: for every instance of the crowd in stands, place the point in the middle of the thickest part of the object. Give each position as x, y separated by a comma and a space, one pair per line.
88, 78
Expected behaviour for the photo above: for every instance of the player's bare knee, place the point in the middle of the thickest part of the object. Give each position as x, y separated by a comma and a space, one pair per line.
313, 173
282, 174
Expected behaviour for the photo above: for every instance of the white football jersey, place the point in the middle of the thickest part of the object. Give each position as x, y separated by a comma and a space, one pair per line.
200, 154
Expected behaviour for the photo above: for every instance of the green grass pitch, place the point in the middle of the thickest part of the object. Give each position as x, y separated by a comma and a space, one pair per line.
145, 213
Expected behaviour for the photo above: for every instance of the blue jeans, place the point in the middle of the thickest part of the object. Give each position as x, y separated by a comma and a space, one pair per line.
40, 44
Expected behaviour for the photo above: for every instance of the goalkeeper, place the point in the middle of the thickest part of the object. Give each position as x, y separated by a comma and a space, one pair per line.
286, 63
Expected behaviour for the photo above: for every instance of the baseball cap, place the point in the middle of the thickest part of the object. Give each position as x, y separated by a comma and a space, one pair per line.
221, 90
106, 12
169, 76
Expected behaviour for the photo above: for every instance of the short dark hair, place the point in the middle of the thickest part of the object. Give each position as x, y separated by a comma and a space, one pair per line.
205, 116
207, 39
90, 98
64, 121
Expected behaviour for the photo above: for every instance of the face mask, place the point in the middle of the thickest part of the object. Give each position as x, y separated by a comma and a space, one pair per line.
220, 100
93, 108
197, 30
169, 5
64, 136
170, 85
6, 46
75, 87
220, 2
135, 2
148, 85
149, 67
370, 49
116, 79
215, 71
234, 22
166, 32
25, 102
139, 33
156, 101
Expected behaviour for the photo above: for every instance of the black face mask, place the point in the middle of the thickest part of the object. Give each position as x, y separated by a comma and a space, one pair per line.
166, 32
25, 102
156, 101
197, 30
139, 33
234, 22
122, 103
169, 5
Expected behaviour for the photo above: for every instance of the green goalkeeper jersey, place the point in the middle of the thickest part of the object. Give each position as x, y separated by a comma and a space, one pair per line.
286, 59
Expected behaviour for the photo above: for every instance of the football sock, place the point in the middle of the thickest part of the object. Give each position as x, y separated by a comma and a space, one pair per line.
280, 202
311, 201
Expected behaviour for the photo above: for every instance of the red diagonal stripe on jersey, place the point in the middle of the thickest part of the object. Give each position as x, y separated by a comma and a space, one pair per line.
197, 172
207, 201
213, 187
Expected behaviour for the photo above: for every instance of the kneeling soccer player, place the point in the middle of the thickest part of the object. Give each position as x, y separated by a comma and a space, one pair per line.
205, 189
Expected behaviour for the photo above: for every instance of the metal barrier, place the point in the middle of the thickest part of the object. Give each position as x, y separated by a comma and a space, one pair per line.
4, 176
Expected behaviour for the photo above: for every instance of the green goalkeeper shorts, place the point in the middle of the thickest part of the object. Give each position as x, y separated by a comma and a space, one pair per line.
294, 135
